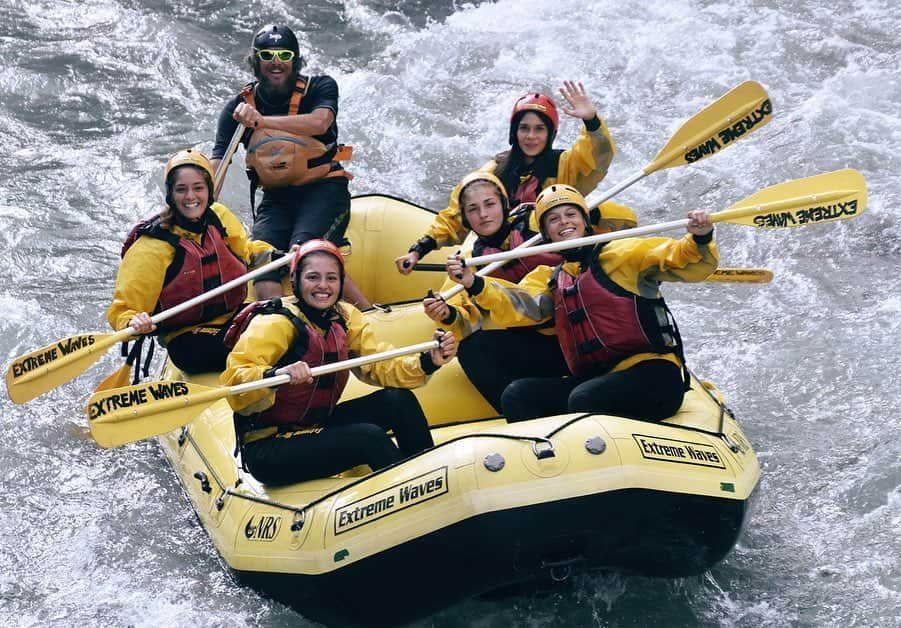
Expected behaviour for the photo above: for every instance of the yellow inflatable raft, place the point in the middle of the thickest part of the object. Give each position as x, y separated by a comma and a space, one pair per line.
490, 505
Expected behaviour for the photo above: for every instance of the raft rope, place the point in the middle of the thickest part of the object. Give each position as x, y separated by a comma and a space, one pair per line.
225, 491
299, 512
724, 410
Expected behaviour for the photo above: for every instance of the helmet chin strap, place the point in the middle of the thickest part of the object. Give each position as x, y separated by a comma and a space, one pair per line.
194, 226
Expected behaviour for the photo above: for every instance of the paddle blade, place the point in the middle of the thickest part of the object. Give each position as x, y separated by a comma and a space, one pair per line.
132, 413
741, 275
734, 115
119, 378
43, 370
825, 197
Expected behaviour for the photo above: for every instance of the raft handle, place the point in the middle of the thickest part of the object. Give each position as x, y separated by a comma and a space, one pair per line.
204, 482
735, 448
546, 452
560, 570
300, 516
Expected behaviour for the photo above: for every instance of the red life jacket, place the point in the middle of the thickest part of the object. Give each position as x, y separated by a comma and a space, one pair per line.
527, 191
300, 404
196, 268
599, 323
522, 189
516, 269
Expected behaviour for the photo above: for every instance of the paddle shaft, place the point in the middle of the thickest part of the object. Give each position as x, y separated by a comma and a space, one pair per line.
133, 413
281, 377
720, 275
734, 213
219, 179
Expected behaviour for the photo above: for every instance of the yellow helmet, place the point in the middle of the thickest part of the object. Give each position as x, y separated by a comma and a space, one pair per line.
189, 157
480, 175
556, 195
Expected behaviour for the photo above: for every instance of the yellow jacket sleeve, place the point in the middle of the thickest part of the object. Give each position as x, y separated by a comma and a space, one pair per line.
526, 303
639, 264
402, 372
236, 235
585, 164
447, 227
467, 315
264, 342
139, 280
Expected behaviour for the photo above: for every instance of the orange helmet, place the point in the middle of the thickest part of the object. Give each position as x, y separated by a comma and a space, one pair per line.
537, 103
314, 246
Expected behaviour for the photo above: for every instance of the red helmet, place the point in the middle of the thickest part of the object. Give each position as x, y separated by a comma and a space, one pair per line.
314, 246
540, 104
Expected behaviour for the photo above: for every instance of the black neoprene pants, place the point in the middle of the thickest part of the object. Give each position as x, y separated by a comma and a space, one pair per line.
195, 352
650, 391
492, 359
354, 434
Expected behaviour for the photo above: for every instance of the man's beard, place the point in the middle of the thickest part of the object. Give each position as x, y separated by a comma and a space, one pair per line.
277, 91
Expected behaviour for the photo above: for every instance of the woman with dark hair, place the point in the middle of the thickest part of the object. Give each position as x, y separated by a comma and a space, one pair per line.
299, 432
618, 337
531, 164
191, 247
492, 359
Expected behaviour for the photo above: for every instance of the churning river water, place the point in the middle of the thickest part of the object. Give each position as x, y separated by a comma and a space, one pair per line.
95, 94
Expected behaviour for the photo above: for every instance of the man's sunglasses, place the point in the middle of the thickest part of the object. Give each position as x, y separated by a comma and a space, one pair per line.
268, 55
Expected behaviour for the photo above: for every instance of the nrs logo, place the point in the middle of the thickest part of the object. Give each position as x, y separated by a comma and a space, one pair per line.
265, 530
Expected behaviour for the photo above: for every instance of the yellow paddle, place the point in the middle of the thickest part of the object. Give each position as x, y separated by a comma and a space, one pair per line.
733, 115
132, 413
720, 275
118, 378
42, 370
741, 275
813, 200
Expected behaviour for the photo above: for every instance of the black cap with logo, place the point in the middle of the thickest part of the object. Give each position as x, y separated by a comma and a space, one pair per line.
276, 36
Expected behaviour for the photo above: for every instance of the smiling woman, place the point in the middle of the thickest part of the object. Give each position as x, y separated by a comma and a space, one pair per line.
531, 164
194, 245
190, 192
299, 431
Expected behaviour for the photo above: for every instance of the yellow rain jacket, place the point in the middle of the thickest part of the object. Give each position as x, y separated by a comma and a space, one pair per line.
635, 264
269, 337
582, 166
142, 272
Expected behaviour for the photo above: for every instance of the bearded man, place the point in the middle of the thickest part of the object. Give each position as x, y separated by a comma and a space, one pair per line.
292, 152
